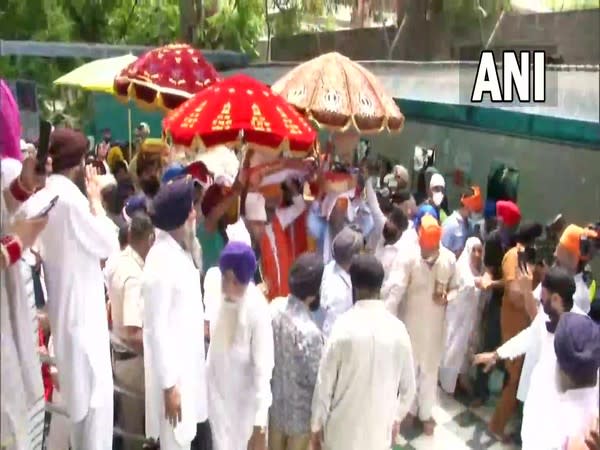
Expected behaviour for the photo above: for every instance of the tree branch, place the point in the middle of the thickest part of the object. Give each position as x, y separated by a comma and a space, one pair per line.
397, 36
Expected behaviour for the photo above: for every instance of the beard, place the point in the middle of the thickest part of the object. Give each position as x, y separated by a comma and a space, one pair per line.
226, 326
189, 243
552, 314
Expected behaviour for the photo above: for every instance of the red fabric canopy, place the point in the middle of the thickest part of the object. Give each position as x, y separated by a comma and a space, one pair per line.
166, 76
240, 109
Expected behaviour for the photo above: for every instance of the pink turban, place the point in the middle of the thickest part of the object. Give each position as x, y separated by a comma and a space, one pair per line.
10, 125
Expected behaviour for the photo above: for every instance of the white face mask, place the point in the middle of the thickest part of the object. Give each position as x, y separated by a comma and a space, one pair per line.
437, 198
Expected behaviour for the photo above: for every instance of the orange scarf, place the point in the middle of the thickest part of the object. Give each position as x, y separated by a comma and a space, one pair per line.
275, 267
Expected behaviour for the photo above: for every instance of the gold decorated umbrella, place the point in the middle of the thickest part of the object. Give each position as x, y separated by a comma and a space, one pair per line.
337, 93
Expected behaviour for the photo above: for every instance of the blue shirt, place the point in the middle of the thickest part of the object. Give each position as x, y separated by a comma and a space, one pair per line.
455, 231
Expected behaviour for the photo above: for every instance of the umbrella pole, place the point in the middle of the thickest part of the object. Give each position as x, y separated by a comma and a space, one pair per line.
129, 130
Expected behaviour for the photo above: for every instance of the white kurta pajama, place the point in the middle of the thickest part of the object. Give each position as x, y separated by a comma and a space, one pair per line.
21, 381
387, 254
173, 342
366, 379
541, 391
240, 366
462, 318
336, 294
72, 246
409, 294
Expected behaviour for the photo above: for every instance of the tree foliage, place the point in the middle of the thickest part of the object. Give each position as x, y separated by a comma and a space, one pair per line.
232, 24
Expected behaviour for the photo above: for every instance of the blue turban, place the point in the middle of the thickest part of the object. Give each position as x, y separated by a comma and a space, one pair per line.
577, 345
240, 259
423, 211
135, 203
171, 206
173, 171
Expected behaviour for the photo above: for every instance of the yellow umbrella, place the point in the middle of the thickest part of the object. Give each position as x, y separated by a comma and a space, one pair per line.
98, 75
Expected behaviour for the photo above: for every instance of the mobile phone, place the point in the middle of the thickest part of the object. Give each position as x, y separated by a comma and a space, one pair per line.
47, 208
43, 146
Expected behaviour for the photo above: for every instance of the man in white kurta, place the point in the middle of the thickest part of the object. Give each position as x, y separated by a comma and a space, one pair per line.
240, 355
577, 347
558, 288
366, 380
336, 287
21, 382
388, 238
175, 372
427, 280
79, 235
568, 257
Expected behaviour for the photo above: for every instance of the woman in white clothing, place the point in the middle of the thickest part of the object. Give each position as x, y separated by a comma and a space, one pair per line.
462, 317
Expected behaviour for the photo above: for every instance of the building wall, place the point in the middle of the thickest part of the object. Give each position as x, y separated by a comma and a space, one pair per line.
553, 178
574, 36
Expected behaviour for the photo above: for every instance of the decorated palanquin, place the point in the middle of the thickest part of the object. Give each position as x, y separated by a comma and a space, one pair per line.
165, 77
336, 93
271, 137
340, 95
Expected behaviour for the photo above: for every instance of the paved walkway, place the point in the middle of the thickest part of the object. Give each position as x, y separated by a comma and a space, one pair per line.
459, 428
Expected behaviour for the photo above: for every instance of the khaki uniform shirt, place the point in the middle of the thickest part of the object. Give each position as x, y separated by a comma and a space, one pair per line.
124, 290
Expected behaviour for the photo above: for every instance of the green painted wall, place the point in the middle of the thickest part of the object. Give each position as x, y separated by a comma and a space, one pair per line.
108, 112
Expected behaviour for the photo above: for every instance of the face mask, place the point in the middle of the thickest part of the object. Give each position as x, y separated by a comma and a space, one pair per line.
475, 217
106, 138
150, 186
438, 198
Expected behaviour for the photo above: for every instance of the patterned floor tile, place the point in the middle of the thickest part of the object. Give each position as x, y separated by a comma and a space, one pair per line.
501, 446
447, 408
485, 411
442, 439
471, 430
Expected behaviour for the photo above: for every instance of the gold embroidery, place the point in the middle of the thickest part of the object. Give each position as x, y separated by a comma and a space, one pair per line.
191, 119
258, 121
288, 123
223, 120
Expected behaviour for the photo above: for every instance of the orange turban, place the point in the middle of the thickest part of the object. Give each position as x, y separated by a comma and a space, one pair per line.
473, 202
430, 233
571, 237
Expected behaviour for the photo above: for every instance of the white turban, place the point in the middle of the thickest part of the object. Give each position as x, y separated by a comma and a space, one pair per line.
437, 180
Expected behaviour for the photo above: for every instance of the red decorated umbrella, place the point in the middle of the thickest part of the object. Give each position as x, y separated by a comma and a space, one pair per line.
337, 92
166, 76
239, 110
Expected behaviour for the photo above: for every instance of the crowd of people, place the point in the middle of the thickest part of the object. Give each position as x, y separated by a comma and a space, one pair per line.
231, 316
